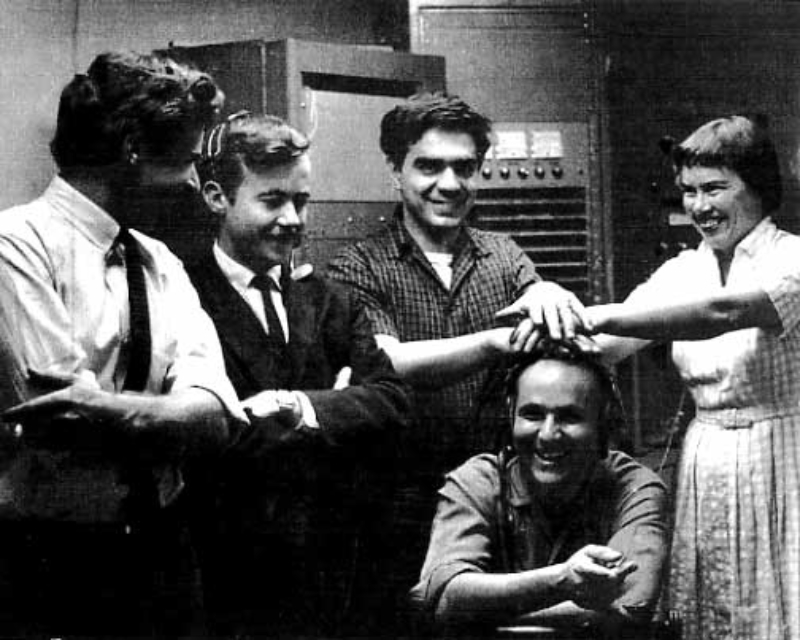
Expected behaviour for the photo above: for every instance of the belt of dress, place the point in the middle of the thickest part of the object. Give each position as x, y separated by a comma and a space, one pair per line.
745, 417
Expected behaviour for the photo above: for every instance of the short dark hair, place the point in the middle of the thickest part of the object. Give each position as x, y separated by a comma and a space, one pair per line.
612, 414
147, 97
408, 122
258, 142
738, 143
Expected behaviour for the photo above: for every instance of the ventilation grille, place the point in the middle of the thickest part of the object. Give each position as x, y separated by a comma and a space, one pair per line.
550, 225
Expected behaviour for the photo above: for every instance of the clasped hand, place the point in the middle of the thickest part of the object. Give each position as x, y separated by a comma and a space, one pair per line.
277, 403
592, 577
544, 309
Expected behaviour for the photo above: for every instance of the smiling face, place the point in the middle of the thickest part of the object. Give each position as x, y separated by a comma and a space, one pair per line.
556, 428
437, 182
723, 208
262, 225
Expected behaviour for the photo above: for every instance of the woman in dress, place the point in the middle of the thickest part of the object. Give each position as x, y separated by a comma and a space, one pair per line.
731, 308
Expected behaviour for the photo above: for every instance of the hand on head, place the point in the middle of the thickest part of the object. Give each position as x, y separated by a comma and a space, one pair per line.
524, 337
546, 307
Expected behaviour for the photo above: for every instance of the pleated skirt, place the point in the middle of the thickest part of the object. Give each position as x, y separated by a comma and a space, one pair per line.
735, 562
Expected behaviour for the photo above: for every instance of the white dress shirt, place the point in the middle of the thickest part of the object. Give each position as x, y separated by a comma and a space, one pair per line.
241, 279
65, 309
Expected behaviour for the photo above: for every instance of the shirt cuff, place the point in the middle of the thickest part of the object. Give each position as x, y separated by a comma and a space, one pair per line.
308, 416
434, 585
228, 399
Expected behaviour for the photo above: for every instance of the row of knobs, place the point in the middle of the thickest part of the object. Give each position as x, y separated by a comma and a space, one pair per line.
523, 172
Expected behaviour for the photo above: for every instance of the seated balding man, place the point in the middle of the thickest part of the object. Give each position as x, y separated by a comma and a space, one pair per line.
560, 531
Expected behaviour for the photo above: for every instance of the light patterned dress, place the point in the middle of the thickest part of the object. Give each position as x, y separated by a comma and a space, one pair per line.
735, 567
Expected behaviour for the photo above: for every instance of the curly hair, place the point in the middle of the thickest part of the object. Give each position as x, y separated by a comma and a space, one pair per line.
258, 142
407, 123
148, 98
738, 143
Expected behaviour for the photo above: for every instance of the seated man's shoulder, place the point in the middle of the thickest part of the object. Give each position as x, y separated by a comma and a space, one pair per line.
623, 470
479, 476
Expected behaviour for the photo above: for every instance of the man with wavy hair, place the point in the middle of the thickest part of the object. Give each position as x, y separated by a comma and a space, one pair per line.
113, 374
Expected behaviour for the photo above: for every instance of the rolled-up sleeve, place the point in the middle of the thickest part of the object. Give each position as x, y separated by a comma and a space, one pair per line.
641, 533
524, 270
463, 532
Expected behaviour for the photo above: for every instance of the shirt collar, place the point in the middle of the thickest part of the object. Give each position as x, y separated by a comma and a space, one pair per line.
521, 494
403, 244
759, 236
85, 216
239, 275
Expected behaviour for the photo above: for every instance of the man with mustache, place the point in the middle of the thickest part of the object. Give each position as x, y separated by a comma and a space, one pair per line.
432, 286
294, 512
557, 527
112, 373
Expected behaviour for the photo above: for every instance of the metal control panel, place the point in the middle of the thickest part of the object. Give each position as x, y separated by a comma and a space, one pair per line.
531, 155
534, 185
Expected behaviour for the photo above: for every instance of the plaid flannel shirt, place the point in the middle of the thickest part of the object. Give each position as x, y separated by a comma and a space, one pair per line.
404, 297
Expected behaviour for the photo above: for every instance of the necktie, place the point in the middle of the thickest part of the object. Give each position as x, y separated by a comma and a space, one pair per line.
140, 346
266, 285
143, 499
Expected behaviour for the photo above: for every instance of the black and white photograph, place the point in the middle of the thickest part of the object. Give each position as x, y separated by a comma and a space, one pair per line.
400, 319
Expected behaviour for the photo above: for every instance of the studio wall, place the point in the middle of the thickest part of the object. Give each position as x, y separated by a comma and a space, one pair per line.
44, 42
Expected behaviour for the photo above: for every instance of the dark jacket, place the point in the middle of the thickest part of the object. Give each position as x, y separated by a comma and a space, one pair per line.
279, 537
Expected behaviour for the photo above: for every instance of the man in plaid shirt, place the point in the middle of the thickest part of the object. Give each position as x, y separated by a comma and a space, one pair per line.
433, 289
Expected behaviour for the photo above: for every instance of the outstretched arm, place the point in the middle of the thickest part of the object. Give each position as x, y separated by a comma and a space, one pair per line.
437, 362
543, 307
688, 319
441, 362
551, 307
164, 426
